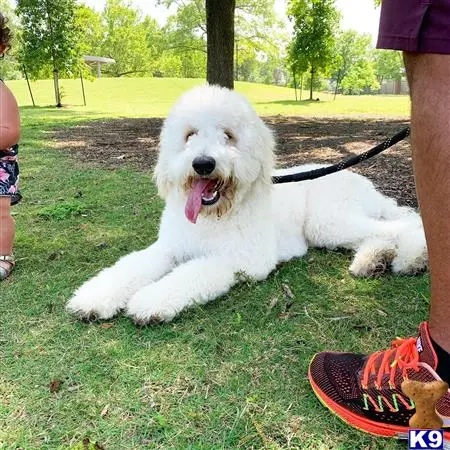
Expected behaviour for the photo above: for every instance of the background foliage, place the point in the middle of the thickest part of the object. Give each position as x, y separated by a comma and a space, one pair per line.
319, 52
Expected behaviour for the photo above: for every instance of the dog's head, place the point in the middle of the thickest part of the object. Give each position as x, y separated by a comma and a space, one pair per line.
213, 149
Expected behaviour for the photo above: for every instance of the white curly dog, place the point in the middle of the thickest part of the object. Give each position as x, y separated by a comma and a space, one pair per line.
224, 217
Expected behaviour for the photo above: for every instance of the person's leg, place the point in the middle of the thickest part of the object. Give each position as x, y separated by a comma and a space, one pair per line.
7, 231
366, 391
428, 77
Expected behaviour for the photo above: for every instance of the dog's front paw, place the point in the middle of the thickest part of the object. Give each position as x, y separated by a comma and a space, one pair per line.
99, 298
89, 307
150, 305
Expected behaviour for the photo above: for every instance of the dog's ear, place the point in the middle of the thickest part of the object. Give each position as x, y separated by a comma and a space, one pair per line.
161, 179
268, 147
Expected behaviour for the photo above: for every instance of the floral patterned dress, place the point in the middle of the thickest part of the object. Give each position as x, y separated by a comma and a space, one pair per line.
9, 174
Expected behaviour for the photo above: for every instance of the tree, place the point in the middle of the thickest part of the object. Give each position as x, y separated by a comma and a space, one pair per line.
126, 39
360, 78
184, 38
139, 45
9, 67
260, 40
121, 32
169, 65
353, 62
315, 27
220, 42
388, 65
257, 31
186, 29
271, 71
259, 34
90, 21
50, 39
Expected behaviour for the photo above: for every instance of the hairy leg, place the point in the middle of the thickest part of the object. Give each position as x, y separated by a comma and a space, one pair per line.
428, 76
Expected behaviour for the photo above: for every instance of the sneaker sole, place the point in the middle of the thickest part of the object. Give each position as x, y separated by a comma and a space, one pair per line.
362, 424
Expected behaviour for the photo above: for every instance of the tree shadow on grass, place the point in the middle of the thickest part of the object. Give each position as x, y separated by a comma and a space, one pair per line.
134, 143
305, 102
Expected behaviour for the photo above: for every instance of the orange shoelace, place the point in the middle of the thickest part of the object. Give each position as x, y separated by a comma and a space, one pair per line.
402, 356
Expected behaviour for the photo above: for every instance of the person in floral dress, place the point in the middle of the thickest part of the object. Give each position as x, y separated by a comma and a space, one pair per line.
9, 169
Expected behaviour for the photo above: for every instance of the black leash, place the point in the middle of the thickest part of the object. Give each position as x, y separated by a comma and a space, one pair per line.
344, 164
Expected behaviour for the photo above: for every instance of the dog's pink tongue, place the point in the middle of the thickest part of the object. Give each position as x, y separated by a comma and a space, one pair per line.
194, 201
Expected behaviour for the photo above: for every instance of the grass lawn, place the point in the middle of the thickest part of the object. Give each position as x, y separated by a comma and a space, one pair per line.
229, 375
144, 97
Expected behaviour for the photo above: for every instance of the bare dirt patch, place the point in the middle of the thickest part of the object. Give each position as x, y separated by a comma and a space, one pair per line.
134, 143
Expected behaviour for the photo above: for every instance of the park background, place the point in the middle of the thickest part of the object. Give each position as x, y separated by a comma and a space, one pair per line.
231, 374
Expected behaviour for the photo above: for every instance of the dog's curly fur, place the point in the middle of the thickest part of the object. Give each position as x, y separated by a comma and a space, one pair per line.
252, 227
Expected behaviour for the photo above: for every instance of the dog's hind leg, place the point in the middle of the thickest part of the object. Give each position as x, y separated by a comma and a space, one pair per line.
375, 241
411, 255
393, 244
373, 257
105, 294
350, 230
197, 281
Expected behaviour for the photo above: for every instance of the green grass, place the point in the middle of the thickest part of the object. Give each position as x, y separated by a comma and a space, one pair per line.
153, 97
229, 375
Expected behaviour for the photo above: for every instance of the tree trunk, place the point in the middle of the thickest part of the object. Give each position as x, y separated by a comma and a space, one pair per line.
57, 91
55, 65
237, 60
311, 85
398, 87
28, 84
220, 42
295, 84
337, 84
301, 85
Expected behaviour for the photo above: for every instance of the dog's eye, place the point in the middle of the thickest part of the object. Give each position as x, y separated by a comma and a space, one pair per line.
189, 134
229, 135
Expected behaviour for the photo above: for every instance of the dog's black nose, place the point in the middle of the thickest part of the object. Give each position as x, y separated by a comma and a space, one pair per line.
204, 165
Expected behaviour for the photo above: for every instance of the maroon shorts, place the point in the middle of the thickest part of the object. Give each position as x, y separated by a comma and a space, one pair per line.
415, 26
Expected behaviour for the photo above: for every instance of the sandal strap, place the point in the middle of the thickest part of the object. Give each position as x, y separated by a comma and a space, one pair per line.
8, 258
